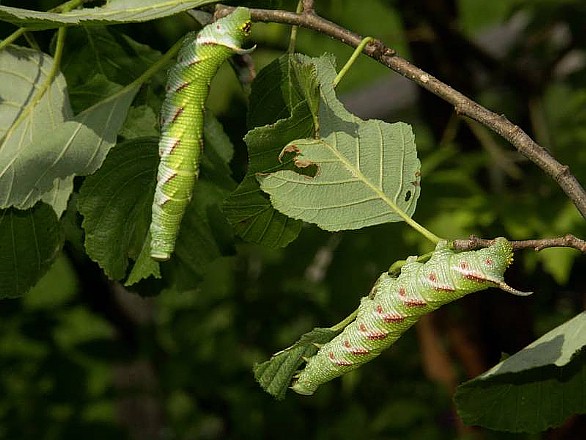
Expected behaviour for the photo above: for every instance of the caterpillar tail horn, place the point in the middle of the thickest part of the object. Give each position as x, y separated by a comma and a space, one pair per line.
506, 288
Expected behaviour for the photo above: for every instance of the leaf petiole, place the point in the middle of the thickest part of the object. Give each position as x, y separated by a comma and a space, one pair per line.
343, 323
352, 59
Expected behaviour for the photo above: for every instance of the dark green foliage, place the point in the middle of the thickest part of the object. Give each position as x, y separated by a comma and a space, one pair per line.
77, 349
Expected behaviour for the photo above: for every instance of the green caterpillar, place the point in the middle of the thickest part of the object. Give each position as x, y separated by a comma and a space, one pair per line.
395, 304
181, 143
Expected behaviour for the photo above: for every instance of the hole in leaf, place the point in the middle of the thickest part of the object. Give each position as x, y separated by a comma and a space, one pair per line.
407, 196
291, 158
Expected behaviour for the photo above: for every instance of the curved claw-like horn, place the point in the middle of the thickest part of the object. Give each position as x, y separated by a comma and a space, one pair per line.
504, 286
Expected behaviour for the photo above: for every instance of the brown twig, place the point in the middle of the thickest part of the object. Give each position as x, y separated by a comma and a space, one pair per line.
568, 240
462, 104
308, 7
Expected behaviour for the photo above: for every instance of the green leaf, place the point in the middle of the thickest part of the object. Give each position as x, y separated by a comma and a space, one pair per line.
104, 51
282, 89
24, 72
144, 265
533, 390
116, 205
58, 196
141, 121
279, 88
91, 92
114, 11
29, 242
275, 375
366, 172
40, 147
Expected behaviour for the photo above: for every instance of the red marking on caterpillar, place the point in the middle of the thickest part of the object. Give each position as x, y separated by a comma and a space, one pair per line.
166, 147
488, 262
444, 288
372, 335
175, 145
432, 277
414, 303
182, 86
464, 269
474, 277
410, 302
169, 177
176, 114
389, 317
339, 362
354, 350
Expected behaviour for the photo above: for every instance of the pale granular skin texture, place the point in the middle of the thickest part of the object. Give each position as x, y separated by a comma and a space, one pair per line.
395, 304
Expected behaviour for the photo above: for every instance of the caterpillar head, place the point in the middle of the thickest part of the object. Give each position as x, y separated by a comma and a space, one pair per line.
233, 30
494, 261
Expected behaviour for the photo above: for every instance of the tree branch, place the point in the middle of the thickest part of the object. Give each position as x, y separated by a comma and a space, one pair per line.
462, 104
308, 6
566, 241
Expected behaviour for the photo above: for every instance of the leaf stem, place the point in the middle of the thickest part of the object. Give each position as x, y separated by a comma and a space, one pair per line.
65, 7
161, 62
419, 228
343, 323
352, 59
68, 6
294, 30
12, 37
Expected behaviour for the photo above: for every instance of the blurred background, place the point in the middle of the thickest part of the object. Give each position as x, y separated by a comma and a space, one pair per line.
82, 357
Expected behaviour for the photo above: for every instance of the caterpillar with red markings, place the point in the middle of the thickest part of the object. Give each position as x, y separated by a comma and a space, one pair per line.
182, 113
395, 304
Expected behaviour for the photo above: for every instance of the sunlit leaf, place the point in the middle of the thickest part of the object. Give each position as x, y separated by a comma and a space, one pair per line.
282, 100
364, 172
114, 11
39, 144
535, 389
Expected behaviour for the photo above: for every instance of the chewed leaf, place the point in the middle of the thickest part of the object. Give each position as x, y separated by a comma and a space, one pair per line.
364, 172
283, 101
